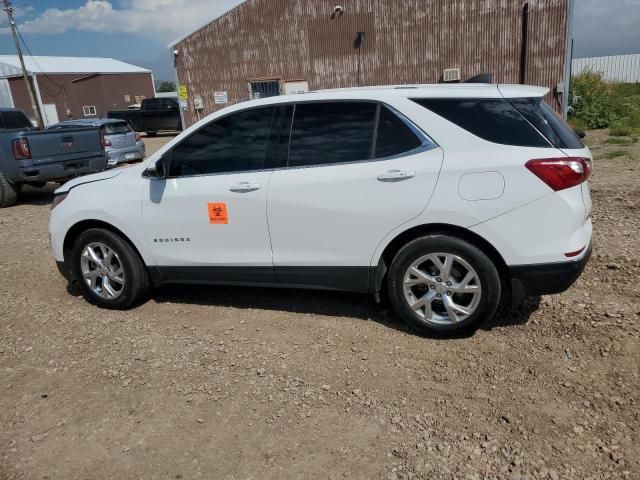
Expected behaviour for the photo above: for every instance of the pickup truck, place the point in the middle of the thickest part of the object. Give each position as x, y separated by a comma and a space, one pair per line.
32, 157
154, 115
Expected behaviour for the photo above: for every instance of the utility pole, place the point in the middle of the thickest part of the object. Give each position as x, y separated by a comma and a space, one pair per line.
36, 108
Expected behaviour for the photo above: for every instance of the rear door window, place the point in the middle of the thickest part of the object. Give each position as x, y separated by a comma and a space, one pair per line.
494, 120
14, 120
236, 143
548, 122
116, 128
325, 133
394, 136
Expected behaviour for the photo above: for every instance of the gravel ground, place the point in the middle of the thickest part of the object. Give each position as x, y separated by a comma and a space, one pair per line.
230, 383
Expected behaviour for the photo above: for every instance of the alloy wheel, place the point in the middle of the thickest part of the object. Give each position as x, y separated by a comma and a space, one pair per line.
442, 289
102, 270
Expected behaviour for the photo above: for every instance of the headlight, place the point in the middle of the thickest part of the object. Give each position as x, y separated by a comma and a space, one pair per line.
58, 199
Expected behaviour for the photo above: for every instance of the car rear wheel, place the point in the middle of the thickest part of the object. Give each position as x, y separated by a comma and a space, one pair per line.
443, 285
109, 271
8, 193
151, 134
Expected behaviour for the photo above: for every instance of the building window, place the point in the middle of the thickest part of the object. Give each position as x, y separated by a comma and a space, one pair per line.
264, 89
89, 110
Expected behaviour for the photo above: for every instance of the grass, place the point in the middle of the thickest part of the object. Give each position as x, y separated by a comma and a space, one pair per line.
622, 141
620, 131
615, 154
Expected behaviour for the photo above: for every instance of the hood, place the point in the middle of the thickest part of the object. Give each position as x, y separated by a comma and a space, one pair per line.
96, 177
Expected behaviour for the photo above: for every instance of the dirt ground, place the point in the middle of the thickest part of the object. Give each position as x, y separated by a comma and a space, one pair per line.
232, 383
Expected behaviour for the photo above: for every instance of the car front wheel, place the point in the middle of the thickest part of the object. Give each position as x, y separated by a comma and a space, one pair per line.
109, 271
443, 285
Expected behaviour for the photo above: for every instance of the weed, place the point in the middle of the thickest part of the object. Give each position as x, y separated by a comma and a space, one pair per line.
615, 154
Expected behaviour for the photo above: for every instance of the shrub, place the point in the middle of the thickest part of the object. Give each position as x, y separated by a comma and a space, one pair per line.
591, 100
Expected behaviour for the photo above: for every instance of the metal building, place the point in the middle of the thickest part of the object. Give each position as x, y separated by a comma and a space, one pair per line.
73, 87
269, 47
615, 68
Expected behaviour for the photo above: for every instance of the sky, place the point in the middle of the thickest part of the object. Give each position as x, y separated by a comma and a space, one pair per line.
138, 31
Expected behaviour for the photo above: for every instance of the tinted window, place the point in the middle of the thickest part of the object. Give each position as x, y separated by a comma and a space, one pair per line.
16, 119
394, 136
494, 120
332, 132
152, 104
550, 124
116, 128
232, 144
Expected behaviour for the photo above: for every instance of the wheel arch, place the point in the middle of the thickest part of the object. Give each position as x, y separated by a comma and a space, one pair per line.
394, 246
76, 230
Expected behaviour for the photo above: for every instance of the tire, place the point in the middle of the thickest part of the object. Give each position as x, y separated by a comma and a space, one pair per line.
8, 193
37, 184
123, 283
427, 287
151, 134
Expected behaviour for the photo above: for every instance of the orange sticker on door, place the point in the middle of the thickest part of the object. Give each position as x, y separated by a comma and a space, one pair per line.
218, 214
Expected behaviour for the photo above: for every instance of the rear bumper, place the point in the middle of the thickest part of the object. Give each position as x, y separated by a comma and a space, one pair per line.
61, 170
545, 278
120, 155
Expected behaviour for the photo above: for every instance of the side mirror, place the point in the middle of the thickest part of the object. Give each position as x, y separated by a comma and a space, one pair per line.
160, 168
580, 133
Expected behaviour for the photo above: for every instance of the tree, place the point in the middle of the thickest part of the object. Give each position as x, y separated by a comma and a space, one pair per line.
167, 87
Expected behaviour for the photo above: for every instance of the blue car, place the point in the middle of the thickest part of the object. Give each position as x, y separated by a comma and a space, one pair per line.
122, 144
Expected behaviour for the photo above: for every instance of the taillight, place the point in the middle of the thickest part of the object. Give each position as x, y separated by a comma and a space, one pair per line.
137, 137
20, 147
561, 173
104, 141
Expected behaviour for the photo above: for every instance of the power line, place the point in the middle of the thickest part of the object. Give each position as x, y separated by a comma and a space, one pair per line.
60, 87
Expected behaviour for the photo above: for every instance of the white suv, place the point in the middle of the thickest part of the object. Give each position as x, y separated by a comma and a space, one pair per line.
446, 197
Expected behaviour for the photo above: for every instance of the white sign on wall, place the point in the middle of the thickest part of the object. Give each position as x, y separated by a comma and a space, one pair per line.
220, 98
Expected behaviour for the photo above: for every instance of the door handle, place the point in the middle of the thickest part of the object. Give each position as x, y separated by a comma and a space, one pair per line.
396, 176
245, 187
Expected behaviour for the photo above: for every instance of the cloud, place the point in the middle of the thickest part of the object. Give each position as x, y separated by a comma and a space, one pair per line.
161, 19
606, 28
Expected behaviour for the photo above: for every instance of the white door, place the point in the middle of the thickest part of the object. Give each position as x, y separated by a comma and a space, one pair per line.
207, 221
331, 209
50, 114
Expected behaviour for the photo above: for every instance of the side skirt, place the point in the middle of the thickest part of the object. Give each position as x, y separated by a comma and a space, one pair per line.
347, 279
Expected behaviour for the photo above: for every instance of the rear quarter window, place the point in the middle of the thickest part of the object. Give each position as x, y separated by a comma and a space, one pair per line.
548, 122
491, 119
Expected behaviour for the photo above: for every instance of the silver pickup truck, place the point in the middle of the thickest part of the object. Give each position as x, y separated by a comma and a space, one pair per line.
33, 157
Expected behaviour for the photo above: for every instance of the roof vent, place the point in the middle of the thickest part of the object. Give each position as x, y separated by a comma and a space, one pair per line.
451, 75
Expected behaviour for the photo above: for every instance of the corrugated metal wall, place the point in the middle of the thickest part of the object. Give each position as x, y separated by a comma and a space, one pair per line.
616, 68
406, 41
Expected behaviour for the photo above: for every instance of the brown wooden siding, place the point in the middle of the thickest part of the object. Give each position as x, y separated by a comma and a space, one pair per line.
406, 41
73, 91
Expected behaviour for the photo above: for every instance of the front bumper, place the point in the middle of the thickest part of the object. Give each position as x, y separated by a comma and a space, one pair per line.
545, 278
123, 155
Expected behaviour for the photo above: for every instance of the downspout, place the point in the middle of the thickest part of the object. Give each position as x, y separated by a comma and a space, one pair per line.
525, 44
568, 59
153, 85
175, 74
